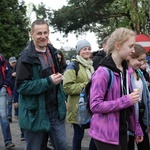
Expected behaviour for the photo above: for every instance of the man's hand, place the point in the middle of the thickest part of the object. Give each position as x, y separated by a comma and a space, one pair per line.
57, 78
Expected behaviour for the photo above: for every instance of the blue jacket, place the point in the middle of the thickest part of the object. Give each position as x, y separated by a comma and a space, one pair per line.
146, 99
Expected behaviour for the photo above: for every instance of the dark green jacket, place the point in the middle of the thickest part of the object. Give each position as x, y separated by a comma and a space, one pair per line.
31, 87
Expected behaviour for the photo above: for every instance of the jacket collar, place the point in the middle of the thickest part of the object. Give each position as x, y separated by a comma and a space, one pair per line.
29, 55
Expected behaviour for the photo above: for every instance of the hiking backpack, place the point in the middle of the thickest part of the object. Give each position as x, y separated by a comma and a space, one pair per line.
84, 112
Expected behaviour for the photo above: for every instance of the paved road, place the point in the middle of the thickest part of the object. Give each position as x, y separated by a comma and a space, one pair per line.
20, 144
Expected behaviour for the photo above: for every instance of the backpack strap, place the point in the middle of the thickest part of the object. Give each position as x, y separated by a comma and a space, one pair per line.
110, 80
86, 90
76, 67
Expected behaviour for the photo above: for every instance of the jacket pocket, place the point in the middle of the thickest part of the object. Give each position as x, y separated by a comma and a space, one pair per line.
29, 102
34, 120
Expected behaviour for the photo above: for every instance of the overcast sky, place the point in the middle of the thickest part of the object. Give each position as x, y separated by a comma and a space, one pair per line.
71, 40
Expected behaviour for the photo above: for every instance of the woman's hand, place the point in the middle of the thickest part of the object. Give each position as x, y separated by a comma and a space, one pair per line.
134, 96
139, 139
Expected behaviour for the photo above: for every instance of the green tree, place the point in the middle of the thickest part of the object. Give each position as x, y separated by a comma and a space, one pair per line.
100, 16
40, 10
68, 54
13, 27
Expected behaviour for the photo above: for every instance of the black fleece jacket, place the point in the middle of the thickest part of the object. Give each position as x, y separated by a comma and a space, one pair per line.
97, 59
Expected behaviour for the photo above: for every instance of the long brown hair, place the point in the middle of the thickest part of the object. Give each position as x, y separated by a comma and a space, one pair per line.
139, 50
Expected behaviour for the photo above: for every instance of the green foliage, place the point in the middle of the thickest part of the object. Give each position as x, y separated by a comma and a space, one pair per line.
13, 27
100, 16
40, 11
68, 54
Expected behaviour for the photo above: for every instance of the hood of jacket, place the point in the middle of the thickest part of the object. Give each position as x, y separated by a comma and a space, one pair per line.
109, 63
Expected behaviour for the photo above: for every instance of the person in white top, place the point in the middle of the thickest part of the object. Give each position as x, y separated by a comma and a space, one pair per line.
143, 106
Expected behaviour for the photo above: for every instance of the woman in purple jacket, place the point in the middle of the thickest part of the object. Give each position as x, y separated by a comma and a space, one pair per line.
113, 111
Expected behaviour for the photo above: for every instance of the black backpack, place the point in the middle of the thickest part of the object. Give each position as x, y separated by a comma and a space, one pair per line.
84, 112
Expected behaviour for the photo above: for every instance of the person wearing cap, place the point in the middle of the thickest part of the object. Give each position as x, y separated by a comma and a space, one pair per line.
12, 60
12, 66
73, 84
5, 80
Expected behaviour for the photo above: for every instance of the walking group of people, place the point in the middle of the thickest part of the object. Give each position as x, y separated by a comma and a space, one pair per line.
49, 93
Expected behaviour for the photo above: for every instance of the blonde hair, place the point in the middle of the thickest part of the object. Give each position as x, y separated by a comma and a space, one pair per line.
120, 35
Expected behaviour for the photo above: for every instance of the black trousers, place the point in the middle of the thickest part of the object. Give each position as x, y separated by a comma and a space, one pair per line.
44, 141
145, 145
105, 146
